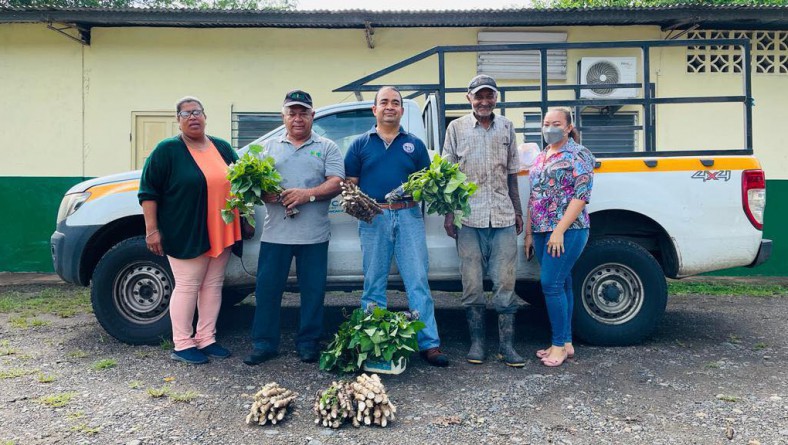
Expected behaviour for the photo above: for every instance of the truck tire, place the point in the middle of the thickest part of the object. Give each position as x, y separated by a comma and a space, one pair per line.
130, 293
620, 293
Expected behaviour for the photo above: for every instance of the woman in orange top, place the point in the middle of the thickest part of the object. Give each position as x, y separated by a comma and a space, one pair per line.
183, 188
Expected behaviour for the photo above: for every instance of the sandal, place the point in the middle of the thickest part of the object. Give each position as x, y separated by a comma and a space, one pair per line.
570, 353
554, 362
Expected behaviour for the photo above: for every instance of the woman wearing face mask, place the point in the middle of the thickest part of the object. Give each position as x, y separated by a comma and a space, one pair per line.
558, 224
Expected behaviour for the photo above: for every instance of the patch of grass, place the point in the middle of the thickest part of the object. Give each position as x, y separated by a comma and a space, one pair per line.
57, 400
728, 289
76, 415
166, 344
85, 429
8, 442
184, 397
733, 338
103, 364
45, 378
727, 398
760, 346
159, 392
142, 354
78, 353
16, 372
135, 384
23, 322
712, 365
7, 351
60, 302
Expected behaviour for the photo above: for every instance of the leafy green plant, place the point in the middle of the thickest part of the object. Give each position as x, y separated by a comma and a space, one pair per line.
159, 392
57, 400
250, 178
378, 334
443, 187
45, 378
183, 397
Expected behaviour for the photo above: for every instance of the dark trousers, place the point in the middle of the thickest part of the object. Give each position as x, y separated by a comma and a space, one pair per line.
273, 267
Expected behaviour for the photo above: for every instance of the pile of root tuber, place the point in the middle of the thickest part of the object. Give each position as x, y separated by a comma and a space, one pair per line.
363, 402
357, 204
270, 404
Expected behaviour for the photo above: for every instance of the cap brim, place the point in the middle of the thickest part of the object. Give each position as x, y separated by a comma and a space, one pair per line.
481, 87
303, 104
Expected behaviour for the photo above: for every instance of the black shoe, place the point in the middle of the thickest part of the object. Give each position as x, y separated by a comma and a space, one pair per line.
259, 356
435, 357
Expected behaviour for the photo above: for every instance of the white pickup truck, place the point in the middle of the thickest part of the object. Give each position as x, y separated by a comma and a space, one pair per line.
647, 222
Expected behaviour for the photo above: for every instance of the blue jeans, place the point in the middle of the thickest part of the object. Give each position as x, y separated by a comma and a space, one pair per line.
492, 250
556, 278
273, 267
399, 233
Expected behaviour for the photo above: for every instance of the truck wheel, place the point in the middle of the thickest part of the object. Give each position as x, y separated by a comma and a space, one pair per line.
620, 293
130, 293
531, 292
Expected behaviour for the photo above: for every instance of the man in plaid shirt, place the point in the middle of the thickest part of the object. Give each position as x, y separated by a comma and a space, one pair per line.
484, 145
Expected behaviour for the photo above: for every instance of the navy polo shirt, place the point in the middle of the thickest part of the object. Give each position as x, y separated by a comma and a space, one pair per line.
380, 169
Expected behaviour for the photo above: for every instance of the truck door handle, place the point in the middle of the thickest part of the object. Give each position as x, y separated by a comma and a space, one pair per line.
650, 163
707, 162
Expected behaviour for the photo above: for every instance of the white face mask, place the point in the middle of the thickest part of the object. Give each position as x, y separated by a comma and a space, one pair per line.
552, 135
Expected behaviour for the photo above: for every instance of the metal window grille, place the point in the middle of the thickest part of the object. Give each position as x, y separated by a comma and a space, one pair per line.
249, 126
521, 64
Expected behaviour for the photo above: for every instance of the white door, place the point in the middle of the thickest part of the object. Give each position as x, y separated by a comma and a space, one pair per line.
150, 128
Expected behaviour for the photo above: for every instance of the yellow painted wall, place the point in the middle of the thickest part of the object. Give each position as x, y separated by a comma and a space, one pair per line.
130, 70
40, 102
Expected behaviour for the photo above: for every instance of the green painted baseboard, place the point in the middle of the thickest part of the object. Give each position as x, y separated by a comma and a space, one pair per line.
30, 207
28, 219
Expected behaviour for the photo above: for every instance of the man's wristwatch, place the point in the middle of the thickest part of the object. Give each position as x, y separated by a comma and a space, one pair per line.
312, 198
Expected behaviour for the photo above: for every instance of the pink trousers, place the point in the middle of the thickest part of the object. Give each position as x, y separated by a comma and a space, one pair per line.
198, 284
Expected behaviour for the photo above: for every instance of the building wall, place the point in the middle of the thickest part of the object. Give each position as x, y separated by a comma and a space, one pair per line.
67, 108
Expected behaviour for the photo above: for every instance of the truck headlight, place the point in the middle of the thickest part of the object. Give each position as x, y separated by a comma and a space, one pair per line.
71, 204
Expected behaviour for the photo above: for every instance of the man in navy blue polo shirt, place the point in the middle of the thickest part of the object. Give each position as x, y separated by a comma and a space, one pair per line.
380, 161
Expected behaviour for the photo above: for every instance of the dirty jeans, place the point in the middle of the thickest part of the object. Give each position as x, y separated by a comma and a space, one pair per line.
198, 285
399, 233
556, 278
492, 250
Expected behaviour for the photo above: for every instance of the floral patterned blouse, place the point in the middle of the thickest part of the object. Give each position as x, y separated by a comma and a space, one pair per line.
555, 181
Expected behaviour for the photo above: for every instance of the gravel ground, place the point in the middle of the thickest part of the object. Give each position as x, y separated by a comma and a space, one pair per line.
714, 373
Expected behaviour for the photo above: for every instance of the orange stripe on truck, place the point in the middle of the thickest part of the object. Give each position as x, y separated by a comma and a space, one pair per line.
673, 164
99, 191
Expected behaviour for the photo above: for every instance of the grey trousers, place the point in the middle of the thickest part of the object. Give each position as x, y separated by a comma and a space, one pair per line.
492, 251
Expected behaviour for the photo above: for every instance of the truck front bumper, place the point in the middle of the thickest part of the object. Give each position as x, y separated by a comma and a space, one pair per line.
764, 252
67, 245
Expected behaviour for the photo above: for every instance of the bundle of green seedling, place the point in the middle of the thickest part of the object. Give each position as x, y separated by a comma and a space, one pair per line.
270, 404
250, 177
362, 402
377, 335
357, 204
442, 186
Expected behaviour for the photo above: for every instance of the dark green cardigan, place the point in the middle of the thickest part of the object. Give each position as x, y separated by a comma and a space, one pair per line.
172, 178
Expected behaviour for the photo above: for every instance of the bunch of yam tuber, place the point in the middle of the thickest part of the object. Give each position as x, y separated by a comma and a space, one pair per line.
270, 404
363, 402
357, 204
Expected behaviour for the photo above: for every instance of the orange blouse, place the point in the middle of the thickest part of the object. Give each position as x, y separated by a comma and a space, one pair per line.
213, 167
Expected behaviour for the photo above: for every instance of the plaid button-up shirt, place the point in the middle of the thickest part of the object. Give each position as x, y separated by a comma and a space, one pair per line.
487, 156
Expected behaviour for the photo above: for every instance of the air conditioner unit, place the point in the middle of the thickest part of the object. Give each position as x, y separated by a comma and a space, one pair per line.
603, 71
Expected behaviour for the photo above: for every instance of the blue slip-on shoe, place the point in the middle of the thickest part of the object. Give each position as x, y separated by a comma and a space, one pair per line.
192, 356
215, 350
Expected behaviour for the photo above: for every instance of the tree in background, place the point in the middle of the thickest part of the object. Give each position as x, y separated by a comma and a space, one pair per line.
647, 3
200, 4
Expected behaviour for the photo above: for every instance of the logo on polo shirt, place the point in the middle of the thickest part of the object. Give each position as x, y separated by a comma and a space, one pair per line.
408, 147
316, 153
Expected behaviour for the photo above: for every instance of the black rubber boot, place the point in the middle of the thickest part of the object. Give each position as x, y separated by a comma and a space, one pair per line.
506, 350
475, 316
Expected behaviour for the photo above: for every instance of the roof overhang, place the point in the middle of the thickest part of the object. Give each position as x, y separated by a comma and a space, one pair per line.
676, 17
